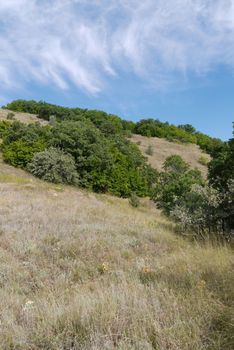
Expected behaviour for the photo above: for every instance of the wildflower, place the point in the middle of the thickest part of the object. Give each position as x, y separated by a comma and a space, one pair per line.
103, 268
146, 270
28, 305
201, 284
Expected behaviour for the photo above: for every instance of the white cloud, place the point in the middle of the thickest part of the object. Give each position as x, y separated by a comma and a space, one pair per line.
82, 43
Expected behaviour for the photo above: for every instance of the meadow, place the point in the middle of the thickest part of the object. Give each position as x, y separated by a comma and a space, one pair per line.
87, 271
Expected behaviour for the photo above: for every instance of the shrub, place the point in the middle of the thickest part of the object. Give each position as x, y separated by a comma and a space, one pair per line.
10, 116
221, 167
198, 210
174, 183
149, 150
206, 211
52, 120
134, 200
54, 165
4, 125
203, 160
175, 164
19, 153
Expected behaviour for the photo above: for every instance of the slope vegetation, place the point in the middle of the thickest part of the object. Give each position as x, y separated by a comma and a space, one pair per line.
161, 148
86, 271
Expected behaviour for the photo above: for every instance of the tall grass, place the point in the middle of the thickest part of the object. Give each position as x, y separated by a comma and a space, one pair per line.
80, 271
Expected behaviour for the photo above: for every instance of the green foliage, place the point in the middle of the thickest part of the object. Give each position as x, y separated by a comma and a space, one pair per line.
188, 128
104, 162
111, 125
155, 128
221, 167
88, 147
128, 125
54, 165
108, 124
183, 133
19, 153
4, 125
134, 200
29, 133
175, 164
203, 160
205, 210
21, 142
174, 183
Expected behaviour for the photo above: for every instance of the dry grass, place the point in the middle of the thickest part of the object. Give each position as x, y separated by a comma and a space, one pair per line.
22, 117
85, 271
162, 149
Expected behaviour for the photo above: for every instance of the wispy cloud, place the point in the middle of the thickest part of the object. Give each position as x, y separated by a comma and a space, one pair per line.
83, 43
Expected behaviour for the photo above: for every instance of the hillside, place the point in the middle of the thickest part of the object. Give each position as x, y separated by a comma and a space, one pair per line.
86, 271
22, 117
161, 148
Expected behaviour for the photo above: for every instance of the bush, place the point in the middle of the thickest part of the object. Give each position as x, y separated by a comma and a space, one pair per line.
221, 167
175, 164
174, 183
54, 165
134, 200
52, 120
198, 210
19, 153
203, 160
4, 125
207, 211
149, 150
10, 116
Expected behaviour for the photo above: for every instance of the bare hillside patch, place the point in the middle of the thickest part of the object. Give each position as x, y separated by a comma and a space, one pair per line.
161, 149
22, 117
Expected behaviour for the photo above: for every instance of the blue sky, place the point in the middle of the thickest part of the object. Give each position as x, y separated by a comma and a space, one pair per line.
166, 59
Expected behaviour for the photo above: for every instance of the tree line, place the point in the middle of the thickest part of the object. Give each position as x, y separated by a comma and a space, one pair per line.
78, 153
112, 124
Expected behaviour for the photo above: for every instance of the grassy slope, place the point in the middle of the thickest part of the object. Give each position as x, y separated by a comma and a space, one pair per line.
86, 271
23, 117
162, 149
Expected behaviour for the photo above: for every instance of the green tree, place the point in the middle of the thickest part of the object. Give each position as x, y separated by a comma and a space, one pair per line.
174, 183
175, 164
19, 153
221, 167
